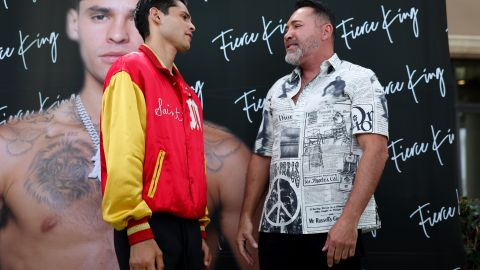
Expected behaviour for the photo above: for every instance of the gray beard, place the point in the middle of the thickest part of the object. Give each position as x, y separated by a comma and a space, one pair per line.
293, 58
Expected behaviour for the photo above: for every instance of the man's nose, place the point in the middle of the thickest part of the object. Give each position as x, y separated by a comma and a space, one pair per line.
287, 35
118, 32
192, 27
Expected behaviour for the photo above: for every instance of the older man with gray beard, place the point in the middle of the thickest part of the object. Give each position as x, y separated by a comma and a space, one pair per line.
320, 153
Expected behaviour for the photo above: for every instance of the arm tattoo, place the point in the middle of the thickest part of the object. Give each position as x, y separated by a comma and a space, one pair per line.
216, 151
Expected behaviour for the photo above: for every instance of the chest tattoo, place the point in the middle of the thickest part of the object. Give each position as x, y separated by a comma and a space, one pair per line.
58, 175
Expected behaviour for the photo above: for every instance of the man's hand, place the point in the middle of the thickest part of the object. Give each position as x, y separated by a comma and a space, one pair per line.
207, 256
341, 241
244, 235
146, 255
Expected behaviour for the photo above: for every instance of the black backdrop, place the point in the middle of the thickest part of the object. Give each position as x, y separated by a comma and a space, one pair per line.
237, 54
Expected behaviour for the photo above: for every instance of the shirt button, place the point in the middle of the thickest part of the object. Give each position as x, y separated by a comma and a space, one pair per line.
174, 83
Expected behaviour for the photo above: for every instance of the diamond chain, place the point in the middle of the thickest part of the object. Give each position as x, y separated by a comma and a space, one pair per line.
87, 122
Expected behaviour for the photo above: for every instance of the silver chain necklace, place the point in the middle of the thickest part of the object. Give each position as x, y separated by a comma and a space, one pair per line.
87, 123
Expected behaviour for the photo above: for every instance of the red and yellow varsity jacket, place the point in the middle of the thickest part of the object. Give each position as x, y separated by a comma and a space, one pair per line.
152, 151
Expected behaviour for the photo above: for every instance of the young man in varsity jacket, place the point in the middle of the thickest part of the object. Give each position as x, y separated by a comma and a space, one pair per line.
153, 164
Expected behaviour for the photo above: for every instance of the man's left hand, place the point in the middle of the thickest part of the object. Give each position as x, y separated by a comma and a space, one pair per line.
341, 241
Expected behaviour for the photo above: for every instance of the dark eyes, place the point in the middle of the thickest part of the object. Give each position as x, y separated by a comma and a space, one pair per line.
294, 26
100, 17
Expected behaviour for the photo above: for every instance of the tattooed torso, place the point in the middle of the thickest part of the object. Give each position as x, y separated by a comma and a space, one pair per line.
50, 211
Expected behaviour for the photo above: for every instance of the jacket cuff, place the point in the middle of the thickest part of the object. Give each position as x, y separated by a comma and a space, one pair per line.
203, 232
203, 224
139, 231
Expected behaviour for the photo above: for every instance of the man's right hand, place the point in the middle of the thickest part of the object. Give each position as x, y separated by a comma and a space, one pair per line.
244, 235
146, 255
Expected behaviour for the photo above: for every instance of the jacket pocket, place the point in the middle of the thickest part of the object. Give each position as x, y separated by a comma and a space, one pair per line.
156, 174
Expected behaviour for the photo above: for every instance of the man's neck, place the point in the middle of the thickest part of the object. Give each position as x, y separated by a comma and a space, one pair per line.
311, 67
91, 96
164, 51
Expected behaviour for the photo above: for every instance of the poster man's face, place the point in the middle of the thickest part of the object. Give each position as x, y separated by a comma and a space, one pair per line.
104, 30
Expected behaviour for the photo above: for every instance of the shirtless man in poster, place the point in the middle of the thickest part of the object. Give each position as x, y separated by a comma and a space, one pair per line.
50, 214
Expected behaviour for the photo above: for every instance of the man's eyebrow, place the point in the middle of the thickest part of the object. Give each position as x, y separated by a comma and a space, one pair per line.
294, 21
99, 9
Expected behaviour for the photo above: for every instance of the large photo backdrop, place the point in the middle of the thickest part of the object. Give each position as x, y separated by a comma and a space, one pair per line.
237, 54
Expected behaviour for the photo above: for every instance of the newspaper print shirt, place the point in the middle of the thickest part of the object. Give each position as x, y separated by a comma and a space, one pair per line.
313, 146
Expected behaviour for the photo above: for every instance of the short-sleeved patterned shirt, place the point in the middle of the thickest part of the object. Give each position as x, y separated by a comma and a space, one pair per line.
313, 148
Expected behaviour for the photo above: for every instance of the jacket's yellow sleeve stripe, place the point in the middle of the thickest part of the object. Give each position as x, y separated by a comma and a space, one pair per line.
123, 134
137, 228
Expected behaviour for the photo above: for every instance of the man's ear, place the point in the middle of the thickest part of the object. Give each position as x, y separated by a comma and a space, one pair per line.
72, 24
327, 31
155, 15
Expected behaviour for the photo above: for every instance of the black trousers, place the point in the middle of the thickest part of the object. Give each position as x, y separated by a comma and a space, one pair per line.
278, 251
178, 238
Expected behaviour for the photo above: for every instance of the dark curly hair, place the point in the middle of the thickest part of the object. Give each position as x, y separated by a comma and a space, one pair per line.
142, 11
